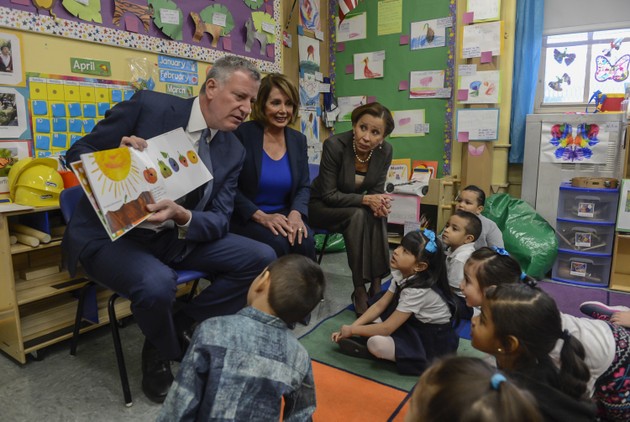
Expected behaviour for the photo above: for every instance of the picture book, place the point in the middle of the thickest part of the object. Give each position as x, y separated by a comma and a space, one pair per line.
120, 182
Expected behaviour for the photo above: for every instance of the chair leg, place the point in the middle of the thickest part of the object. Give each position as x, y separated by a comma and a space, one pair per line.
193, 290
321, 253
78, 318
122, 369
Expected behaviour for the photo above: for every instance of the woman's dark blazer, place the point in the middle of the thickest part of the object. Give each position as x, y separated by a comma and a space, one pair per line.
251, 136
335, 185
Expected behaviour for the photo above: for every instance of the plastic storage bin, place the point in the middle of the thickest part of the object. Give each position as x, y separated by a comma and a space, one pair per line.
583, 268
585, 237
587, 204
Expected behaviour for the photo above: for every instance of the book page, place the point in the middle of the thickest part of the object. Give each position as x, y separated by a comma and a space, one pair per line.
124, 180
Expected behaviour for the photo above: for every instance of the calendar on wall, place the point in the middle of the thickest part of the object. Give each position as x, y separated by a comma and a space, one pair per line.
64, 108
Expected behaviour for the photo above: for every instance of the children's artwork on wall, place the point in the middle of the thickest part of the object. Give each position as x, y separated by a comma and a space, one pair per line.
309, 126
13, 114
477, 124
369, 65
315, 153
10, 152
352, 28
169, 18
309, 91
484, 10
155, 27
408, 123
427, 34
261, 27
476, 151
563, 143
427, 84
90, 10
481, 88
390, 17
11, 71
606, 70
309, 54
309, 15
348, 104
481, 38
399, 170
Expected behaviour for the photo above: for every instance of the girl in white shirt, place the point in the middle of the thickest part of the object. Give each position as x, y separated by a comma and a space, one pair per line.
410, 324
607, 345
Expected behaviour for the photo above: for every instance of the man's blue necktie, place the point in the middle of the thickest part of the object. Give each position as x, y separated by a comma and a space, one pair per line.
204, 155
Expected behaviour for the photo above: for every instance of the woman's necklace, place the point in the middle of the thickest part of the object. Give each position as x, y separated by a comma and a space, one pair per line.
354, 148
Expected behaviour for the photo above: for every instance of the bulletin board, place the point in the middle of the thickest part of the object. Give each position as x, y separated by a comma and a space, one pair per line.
393, 88
181, 29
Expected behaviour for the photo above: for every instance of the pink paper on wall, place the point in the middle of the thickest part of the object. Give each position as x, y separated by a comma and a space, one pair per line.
341, 46
404, 39
371, 99
349, 68
462, 136
227, 43
462, 94
21, 2
131, 23
468, 18
403, 85
486, 57
271, 48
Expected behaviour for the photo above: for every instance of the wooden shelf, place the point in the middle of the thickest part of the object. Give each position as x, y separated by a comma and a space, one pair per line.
40, 288
20, 248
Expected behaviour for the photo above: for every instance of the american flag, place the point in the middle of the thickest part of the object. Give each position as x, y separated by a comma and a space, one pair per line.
345, 7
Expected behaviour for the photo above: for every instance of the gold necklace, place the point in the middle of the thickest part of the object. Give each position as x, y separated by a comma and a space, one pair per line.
354, 148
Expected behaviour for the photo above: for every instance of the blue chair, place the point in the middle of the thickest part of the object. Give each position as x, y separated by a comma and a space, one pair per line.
68, 200
313, 170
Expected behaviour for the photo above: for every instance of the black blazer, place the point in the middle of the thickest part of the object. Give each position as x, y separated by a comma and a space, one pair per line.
146, 115
251, 136
335, 185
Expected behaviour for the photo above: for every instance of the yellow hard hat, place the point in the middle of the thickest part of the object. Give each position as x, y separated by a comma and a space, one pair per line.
38, 186
22, 165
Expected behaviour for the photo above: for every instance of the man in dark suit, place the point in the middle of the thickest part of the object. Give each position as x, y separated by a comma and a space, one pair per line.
191, 233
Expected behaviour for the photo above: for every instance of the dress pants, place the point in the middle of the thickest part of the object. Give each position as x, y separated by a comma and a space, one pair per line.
140, 266
365, 237
279, 243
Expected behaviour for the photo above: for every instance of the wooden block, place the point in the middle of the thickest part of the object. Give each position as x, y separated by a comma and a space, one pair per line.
12, 240
21, 228
26, 239
36, 272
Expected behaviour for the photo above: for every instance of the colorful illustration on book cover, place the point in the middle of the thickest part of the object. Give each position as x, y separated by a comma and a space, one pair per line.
563, 143
120, 178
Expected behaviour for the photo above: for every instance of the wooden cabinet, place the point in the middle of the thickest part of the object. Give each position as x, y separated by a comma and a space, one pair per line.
38, 312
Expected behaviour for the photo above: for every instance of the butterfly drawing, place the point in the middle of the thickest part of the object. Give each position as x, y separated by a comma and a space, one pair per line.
476, 151
557, 84
567, 57
574, 148
606, 70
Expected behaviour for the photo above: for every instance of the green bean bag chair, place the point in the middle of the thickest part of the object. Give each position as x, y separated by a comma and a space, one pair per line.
527, 236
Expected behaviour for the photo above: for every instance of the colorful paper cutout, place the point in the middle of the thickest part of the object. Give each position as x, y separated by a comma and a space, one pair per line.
143, 13
476, 151
258, 28
45, 5
462, 136
404, 39
486, 57
168, 17
88, 10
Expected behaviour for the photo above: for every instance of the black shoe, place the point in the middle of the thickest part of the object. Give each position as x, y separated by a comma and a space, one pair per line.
156, 374
185, 328
355, 346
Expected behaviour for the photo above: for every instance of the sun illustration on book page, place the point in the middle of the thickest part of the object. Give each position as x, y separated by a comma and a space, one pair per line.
117, 173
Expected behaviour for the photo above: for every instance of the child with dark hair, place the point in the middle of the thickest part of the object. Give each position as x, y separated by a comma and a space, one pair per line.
520, 325
460, 388
606, 345
243, 366
411, 323
473, 199
459, 235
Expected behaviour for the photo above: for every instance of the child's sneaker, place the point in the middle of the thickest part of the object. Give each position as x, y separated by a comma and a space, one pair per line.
601, 311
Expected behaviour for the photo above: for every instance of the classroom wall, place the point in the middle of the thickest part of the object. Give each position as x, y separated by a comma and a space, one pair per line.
562, 16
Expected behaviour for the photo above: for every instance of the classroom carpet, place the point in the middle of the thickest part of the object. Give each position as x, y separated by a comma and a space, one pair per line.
351, 389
